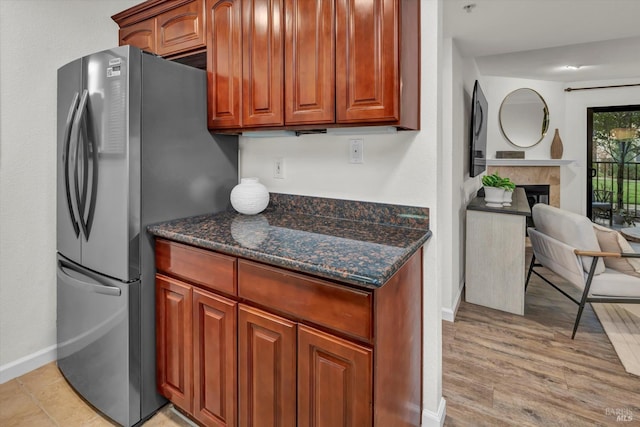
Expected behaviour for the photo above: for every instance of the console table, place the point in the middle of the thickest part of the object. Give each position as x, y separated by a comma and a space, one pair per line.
495, 253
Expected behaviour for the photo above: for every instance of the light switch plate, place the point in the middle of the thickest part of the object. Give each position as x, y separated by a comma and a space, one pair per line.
278, 168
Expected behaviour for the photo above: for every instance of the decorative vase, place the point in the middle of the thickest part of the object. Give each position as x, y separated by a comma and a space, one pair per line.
493, 196
507, 198
556, 146
249, 197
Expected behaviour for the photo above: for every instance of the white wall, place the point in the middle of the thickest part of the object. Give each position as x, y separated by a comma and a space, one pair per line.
36, 38
455, 121
403, 168
495, 90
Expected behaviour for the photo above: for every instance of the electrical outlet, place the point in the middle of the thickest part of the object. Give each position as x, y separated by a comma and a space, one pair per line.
356, 150
278, 168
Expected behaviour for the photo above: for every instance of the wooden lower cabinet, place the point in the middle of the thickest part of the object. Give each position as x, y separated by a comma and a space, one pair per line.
334, 381
267, 368
214, 363
174, 341
242, 358
196, 351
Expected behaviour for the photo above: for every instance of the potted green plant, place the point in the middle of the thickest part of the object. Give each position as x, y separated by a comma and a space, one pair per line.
508, 186
493, 190
498, 191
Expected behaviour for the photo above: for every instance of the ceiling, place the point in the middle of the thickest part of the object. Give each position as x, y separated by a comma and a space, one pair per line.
537, 39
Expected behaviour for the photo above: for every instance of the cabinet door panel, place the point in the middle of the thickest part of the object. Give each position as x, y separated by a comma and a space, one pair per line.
267, 370
367, 82
310, 62
174, 341
334, 381
214, 330
224, 63
141, 35
262, 62
181, 29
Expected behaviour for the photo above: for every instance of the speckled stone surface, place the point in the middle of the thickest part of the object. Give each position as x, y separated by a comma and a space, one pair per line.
360, 243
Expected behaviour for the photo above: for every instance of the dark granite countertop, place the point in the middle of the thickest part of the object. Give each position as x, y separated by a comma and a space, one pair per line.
360, 243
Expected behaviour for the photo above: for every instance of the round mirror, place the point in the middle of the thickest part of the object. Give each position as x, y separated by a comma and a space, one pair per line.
524, 117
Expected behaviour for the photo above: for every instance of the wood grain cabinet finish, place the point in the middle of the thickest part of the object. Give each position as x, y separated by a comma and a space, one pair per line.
208, 269
224, 64
141, 35
181, 29
214, 368
303, 351
262, 62
291, 63
174, 341
334, 381
320, 302
169, 28
369, 83
309, 62
267, 368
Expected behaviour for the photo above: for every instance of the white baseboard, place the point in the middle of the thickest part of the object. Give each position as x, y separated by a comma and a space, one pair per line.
27, 363
449, 314
435, 419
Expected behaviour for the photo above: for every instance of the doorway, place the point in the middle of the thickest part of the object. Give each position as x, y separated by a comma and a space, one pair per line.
613, 153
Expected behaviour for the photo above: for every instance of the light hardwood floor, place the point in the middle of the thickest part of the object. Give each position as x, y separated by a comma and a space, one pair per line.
501, 369
43, 398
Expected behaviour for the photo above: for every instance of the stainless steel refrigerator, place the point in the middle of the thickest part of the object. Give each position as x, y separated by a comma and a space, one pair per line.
133, 149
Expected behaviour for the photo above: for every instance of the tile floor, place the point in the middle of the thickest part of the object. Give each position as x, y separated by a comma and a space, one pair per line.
43, 398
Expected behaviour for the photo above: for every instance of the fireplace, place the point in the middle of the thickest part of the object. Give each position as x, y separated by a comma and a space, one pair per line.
535, 178
538, 193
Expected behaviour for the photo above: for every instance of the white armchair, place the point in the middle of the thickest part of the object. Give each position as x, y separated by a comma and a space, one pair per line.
592, 258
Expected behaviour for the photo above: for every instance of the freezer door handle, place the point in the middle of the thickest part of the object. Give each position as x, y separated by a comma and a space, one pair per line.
65, 160
102, 288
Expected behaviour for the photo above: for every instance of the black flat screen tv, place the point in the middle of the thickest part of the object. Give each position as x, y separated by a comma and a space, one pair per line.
478, 132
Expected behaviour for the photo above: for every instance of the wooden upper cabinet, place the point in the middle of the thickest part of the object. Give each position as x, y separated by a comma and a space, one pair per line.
291, 63
263, 62
224, 63
181, 29
141, 35
164, 27
366, 63
309, 61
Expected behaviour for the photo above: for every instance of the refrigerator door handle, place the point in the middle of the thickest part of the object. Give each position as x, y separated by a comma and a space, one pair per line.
81, 150
65, 160
102, 288
93, 150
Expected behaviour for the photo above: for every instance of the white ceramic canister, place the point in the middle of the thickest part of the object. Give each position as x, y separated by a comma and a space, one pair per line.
249, 197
